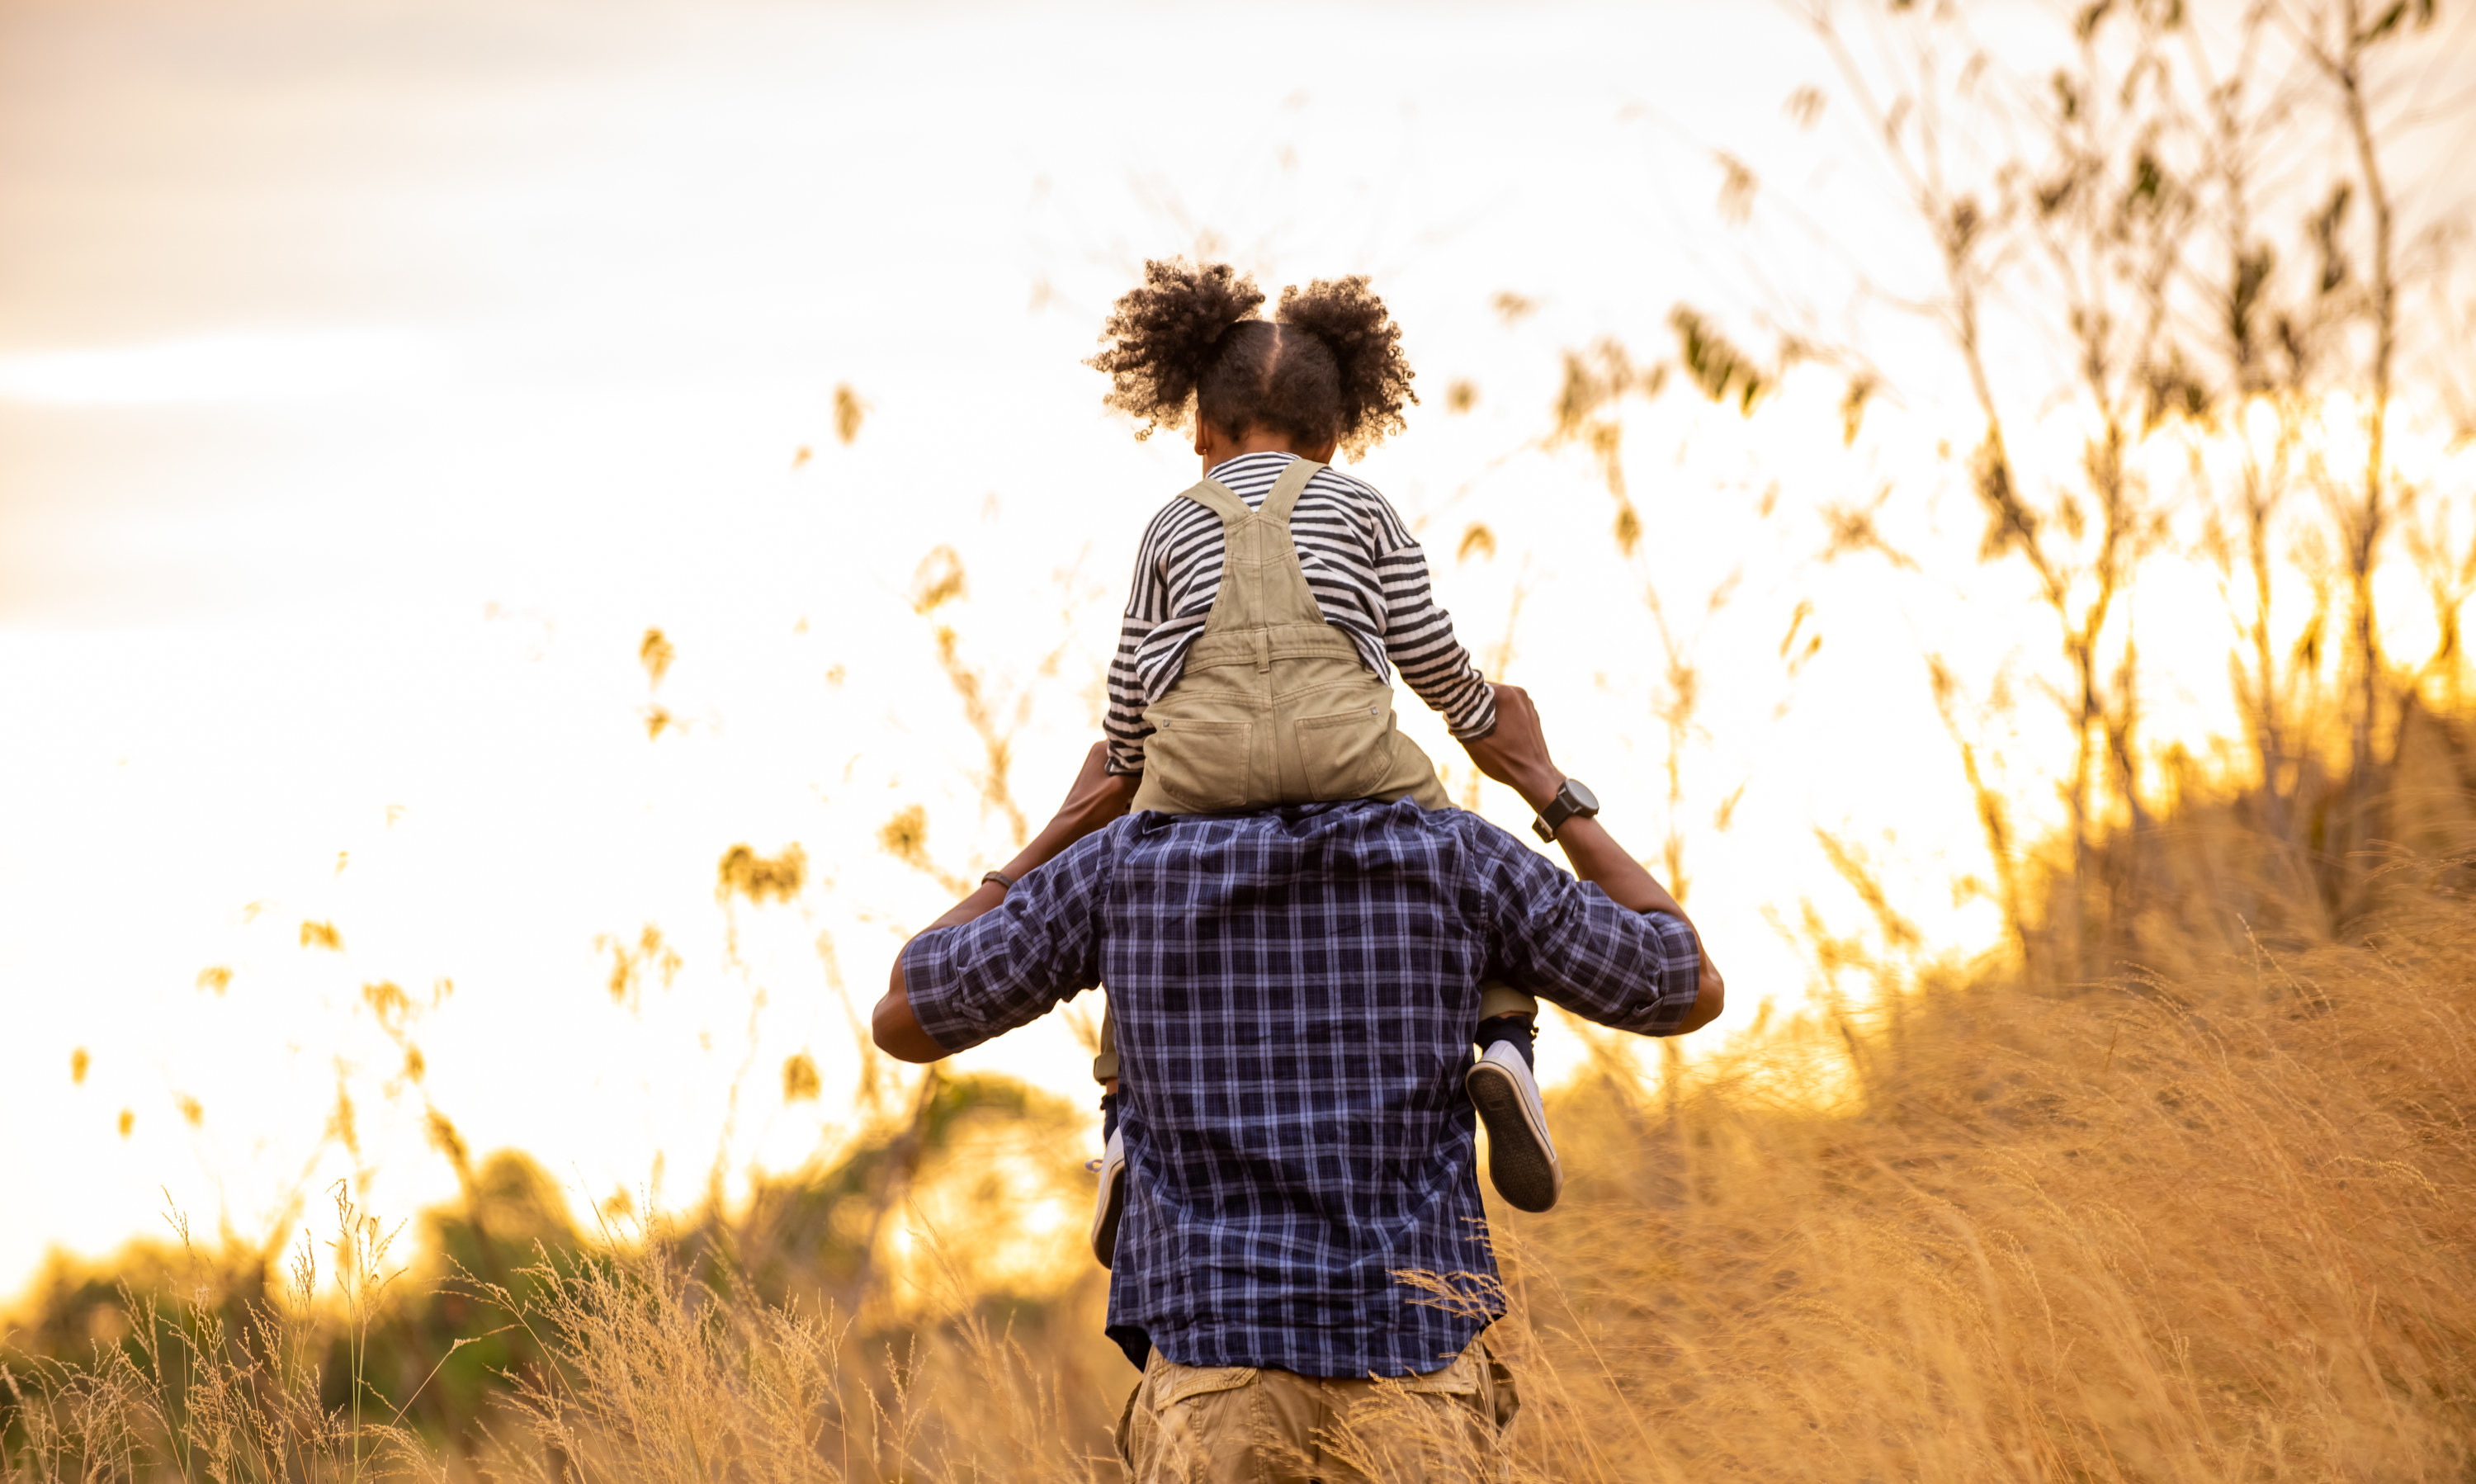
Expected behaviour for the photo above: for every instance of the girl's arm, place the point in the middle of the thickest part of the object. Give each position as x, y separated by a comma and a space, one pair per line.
1146, 606
1419, 637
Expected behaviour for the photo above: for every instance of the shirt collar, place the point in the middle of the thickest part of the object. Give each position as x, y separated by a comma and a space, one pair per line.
1265, 453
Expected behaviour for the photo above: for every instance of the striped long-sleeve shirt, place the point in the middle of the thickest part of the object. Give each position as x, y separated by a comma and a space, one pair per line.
1367, 572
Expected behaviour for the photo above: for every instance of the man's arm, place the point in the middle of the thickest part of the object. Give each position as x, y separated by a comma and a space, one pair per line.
1597, 858
1098, 797
1515, 755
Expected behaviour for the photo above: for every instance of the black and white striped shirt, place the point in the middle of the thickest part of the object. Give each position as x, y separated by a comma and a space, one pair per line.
1367, 572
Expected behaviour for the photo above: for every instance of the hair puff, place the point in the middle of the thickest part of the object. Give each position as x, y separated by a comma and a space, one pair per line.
1366, 346
1164, 336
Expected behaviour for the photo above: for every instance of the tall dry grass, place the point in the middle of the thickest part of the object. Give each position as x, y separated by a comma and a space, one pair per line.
205, 1383
2209, 1218
2210, 1228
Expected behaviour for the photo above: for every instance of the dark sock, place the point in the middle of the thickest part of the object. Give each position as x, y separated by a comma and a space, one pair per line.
1108, 1116
1516, 1029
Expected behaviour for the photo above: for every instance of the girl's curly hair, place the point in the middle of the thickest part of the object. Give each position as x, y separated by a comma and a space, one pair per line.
1188, 344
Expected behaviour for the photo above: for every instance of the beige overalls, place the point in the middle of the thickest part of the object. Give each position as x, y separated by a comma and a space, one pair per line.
1275, 706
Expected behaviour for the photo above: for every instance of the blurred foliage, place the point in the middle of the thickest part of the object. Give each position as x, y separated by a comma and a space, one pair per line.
456, 1337
761, 879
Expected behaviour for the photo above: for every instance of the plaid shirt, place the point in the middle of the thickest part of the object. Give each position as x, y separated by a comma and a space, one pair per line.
1295, 991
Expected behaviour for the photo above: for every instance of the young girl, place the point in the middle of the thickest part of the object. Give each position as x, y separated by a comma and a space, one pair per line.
1272, 604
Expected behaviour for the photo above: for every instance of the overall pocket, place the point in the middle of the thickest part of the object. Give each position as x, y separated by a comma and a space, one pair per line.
1345, 755
1204, 765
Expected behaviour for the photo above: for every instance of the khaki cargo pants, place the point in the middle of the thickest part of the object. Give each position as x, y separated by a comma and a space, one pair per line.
1273, 704
1237, 1424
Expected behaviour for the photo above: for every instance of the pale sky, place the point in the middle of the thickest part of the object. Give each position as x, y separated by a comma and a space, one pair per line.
373, 376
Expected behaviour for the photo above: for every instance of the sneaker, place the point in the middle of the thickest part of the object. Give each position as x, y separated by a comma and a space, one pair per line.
1111, 1206
1520, 1158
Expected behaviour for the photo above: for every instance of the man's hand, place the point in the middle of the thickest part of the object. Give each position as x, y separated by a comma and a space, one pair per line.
1515, 755
1516, 752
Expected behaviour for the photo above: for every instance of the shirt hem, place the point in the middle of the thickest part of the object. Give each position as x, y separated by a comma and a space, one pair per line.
1388, 1367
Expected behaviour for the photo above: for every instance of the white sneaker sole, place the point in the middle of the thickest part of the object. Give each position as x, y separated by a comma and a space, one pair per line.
1520, 1158
1110, 1204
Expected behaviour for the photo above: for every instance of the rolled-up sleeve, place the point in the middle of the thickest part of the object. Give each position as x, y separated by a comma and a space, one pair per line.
1011, 965
1564, 940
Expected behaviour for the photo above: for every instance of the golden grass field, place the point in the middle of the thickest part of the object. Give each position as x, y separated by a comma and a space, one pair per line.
2205, 1218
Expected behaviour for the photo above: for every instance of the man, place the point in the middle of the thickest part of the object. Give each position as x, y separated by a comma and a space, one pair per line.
1294, 990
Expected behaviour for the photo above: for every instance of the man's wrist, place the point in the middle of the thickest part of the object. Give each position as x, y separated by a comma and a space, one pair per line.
1538, 789
1572, 802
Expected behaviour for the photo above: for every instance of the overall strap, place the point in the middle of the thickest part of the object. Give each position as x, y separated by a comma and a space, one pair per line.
1220, 499
1284, 496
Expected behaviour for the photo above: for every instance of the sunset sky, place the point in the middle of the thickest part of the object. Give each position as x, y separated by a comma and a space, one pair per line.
373, 376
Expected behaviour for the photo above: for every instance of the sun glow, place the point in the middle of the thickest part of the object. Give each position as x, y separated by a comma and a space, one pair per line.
238, 367
504, 641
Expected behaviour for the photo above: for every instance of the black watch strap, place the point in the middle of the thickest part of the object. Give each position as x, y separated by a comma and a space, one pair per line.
1567, 804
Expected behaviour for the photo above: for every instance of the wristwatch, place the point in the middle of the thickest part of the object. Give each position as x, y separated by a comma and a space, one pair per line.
1573, 801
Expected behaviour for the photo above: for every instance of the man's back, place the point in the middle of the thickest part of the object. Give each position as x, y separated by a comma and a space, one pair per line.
1295, 991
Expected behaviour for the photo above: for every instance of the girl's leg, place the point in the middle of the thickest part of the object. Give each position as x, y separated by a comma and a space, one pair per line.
1110, 1202
1520, 1159
1508, 1015
1104, 1069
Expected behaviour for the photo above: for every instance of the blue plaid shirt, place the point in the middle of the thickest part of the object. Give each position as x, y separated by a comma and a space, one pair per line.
1294, 992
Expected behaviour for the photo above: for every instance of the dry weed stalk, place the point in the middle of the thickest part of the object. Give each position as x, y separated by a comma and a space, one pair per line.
2102, 258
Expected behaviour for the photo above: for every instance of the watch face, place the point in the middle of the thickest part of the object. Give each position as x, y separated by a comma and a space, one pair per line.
1578, 794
